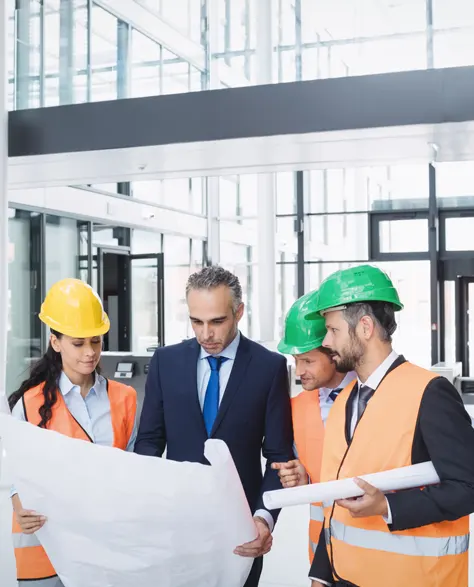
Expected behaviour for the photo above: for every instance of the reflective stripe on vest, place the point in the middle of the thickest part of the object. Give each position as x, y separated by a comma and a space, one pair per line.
399, 544
32, 563
363, 551
308, 429
316, 513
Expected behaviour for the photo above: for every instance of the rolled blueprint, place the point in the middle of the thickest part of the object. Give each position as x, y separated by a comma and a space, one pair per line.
393, 480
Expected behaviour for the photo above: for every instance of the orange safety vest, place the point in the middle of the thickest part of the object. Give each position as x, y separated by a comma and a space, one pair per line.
32, 562
308, 429
363, 551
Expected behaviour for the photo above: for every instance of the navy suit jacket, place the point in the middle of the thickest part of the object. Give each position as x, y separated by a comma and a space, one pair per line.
254, 414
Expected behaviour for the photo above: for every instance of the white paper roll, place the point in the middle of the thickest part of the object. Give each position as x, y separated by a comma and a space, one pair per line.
386, 481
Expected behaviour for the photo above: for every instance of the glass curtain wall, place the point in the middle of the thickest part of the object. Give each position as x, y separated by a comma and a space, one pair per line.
337, 209
74, 51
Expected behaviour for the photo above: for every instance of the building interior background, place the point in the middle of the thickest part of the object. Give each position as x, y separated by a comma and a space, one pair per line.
63, 52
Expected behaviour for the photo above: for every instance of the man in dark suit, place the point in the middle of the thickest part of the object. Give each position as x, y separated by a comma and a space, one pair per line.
221, 385
395, 414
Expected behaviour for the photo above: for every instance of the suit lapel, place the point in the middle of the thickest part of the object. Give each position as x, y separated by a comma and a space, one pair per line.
237, 375
192, 351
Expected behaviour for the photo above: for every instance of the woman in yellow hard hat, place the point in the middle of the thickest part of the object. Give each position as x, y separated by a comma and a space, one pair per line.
66, 393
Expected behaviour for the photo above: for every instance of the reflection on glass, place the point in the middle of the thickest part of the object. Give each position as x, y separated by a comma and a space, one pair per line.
144, 276
412, 280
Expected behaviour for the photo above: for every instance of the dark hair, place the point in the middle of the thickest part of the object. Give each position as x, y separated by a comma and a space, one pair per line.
215, 276
382, 313
46, 370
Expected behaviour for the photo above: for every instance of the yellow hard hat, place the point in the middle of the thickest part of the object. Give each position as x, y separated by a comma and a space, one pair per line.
73, 308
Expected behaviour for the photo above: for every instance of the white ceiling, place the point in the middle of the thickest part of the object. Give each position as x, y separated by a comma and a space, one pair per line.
381, 146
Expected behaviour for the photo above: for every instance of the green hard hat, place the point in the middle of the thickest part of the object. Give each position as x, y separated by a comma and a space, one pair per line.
364, 283
302, 335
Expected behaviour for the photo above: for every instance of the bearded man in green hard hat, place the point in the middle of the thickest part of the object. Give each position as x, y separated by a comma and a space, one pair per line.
321, 382
395, 414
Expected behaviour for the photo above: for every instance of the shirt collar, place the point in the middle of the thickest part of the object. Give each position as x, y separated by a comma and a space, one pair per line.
66, 386
229, 352
376, 377
325, 391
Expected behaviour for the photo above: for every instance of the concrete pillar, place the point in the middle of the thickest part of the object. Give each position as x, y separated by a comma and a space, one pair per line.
66, 52
266, 187
22, 57
3, 197
7, 565
213, 221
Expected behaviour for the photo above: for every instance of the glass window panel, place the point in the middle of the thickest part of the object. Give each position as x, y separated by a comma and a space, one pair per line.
144, 304
404, 236
338, 237
177, 270
145, 242
228, 201
460, 234
234, 257
454, 48
285, 192
175, 74
452, 13
412, 280
146, 56
455, 182
287, 23
52, 37
286, 230
287, 66
103, 235
103, 54
248, 194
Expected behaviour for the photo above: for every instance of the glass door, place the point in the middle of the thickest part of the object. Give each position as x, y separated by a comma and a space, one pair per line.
147, 302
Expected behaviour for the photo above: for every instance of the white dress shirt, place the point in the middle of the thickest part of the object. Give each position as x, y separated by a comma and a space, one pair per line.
203, 375
92, 412
373, 382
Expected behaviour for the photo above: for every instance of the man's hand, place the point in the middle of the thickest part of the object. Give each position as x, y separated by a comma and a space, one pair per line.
372, 503
261, 545
317, 584
292, 473
29, 520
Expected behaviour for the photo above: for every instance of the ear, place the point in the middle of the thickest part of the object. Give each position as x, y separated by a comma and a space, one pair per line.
54, 342
367, 327
240, 312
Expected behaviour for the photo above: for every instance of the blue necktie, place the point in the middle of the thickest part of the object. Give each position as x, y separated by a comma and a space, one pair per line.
334, 393
211, 401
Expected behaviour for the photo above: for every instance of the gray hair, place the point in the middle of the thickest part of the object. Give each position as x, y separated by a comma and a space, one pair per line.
215, 276
382, 313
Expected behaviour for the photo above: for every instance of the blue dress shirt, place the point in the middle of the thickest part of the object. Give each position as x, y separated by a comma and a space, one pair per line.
92, 412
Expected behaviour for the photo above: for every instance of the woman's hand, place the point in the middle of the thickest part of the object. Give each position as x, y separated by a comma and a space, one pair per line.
28, 520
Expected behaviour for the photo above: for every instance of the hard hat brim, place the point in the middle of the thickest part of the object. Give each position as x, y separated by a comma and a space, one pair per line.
289, 349
315, 314
73, 333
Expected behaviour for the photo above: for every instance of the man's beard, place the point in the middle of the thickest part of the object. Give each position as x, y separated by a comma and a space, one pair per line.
350, 357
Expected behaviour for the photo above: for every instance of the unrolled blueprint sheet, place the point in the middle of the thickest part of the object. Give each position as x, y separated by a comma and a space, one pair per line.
117, 519
393, 480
